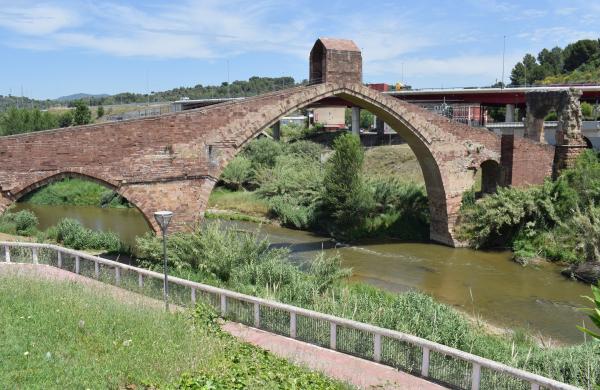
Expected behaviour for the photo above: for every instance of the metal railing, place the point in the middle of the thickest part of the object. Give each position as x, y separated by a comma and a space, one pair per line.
436, 362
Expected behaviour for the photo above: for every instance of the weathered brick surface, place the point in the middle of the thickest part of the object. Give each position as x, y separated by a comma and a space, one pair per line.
525, 162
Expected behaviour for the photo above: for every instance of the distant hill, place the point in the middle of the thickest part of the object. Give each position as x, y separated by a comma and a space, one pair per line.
252, 86
79, 96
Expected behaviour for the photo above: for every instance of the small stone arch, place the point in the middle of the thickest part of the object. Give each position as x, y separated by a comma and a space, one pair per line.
52, 178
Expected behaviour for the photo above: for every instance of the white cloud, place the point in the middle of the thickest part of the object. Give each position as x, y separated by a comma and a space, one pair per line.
37, 19
560, 35
488, 67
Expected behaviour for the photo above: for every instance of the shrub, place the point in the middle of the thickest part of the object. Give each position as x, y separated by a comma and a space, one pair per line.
74, 235
498, 218
307, 149
293, 189
23, 223
237, 172
263, 152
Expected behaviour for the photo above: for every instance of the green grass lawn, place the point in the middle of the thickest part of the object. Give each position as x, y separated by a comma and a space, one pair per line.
246, 202
63, 335
393, 160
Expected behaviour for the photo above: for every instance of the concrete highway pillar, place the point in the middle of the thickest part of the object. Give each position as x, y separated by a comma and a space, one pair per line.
356, 120
510, 113
379, 126
277, 131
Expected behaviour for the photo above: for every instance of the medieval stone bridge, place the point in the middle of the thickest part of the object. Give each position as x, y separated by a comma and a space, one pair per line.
173, 161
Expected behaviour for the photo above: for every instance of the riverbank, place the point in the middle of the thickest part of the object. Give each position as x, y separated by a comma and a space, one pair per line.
557, 220
249, 264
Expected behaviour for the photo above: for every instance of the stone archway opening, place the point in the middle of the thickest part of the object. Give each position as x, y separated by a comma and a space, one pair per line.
491, 177
93, 202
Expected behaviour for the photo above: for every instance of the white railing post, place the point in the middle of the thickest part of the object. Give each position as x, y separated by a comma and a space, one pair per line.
425, 365
223, 305
377, 347
293, 329
7, 253
535, 386
193, 295
140, 280
77, 264
34, 255
97, 269
256, 315
475, 376
59, 259
117, 275
332, 335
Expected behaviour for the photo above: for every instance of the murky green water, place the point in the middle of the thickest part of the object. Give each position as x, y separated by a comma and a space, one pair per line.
486, 284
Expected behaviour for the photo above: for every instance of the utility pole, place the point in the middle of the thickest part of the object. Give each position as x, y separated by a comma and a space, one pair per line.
503, 57
228, 95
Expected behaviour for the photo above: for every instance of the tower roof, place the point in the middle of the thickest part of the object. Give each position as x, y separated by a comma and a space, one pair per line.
339, 44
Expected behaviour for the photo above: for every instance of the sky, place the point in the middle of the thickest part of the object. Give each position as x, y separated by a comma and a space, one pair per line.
60, 47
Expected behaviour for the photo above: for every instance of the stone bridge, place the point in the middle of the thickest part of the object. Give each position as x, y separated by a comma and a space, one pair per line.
173, 161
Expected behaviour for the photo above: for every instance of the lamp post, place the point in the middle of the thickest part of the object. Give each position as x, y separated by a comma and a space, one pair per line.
163, 218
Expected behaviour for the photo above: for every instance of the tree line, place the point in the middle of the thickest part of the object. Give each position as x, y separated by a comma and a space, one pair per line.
24, 120
239, 88
577, 62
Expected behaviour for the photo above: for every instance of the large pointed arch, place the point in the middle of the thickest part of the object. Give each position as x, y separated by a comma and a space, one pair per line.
447, 165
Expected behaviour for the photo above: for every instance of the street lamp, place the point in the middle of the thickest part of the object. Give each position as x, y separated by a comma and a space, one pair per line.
163, 218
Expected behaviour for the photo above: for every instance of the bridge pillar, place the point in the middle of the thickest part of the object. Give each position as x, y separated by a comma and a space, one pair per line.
277, 131
186, 198
510, 113
379, 126
356, 121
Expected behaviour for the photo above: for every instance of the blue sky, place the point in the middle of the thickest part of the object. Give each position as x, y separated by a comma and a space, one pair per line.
60, 47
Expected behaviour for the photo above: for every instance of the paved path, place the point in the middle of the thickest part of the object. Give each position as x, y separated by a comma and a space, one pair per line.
350, 369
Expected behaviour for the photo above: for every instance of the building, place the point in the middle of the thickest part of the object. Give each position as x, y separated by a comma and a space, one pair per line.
332, 118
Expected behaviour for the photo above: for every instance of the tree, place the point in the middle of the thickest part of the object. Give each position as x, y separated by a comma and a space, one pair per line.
346, 199
551, 61
65, 119
579, 53
82, 114
100, 112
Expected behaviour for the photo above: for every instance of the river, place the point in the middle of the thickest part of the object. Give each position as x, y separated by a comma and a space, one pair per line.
487, 285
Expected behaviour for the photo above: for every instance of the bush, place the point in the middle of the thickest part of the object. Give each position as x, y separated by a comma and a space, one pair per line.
237, 172
23, 223
401, 209
293, 189
306, 149
263, 152
72, 234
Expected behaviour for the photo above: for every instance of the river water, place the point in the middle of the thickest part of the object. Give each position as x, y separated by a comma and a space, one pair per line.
487, 285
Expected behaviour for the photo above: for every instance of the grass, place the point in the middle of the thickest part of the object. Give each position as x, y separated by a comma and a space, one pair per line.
393, 160
75, 192
58, 334
245, 202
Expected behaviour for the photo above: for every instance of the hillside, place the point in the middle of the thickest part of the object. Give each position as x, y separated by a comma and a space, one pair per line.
578, 62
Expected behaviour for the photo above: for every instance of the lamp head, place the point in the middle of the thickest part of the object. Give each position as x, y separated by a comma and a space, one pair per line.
163, 218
